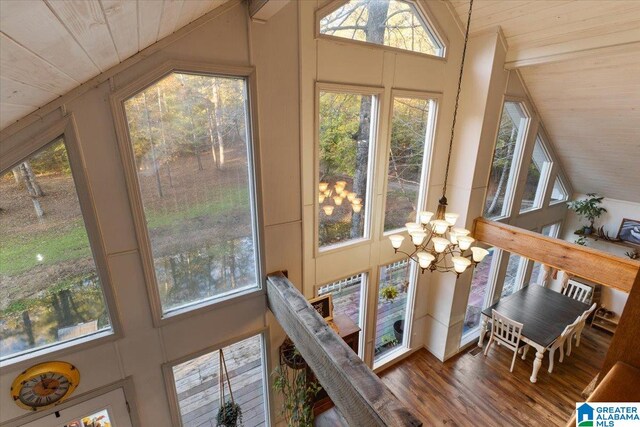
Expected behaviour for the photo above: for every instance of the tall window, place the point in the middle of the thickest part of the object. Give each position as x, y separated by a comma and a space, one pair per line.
197, 384
550, 230
192, 150
410, 134
347, 130
537, 177
558, 194
50, 290
393, 291
394, 23
513, 124
514, 275
480, 285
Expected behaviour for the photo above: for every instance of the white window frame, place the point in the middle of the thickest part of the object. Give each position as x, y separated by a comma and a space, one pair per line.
170, 381
377, 94
516, 163
545, 175
16, 150
560, 181
424, 12
135, 197
434, 99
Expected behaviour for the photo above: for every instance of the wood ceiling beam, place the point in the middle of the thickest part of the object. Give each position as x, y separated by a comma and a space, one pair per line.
361, 397
600, 267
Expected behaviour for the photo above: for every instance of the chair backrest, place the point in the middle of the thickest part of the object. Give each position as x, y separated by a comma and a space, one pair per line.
506, 330
569, 328
588, 312
578, 291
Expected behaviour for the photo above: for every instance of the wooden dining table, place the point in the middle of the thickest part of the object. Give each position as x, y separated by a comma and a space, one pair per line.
544, 314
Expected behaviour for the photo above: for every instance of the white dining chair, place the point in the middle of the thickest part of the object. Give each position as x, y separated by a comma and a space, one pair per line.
578, 291
567, 333
581, 325
505, 332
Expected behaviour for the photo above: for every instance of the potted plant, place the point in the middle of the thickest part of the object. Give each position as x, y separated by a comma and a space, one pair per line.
588, 209
229, 413
389, 293
297, 395
398, 329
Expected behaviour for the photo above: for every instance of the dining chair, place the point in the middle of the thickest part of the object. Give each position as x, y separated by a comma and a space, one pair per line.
506, 332
581, 325
578, 291
567, 333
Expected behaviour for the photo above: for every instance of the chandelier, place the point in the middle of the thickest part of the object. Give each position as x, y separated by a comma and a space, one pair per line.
439, 246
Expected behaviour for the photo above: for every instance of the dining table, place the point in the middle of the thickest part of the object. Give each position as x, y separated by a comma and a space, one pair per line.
544, 314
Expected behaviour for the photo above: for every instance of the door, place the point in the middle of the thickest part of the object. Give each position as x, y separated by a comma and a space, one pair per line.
107, 410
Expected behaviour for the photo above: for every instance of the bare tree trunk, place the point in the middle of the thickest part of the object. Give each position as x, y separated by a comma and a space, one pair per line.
217, 117
156, 168
503, 175
374, 31
211, 141
28, 328
16, 176
29, 180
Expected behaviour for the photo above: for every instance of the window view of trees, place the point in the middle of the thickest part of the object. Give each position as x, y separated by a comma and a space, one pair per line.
478, 292
394, 23
346, 141
513, 276
406, 155
49, 287
191, 147
512, 128
539, 169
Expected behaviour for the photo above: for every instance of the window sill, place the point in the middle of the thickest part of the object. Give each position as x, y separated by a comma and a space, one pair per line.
57, 350
392, 358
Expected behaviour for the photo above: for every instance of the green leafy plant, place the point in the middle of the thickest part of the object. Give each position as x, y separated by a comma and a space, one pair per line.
229, 415
582, 241
389, 293
297, 395
588, 209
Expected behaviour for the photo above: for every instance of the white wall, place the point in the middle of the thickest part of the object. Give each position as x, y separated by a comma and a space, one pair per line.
616, 210
139, 353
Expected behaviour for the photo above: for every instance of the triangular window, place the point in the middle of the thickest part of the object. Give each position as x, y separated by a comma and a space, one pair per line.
559, 194
392, 23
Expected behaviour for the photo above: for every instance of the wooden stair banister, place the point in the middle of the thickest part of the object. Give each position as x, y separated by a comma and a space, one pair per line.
359, 394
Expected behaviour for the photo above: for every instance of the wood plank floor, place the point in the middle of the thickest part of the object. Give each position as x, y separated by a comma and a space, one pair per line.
472, 390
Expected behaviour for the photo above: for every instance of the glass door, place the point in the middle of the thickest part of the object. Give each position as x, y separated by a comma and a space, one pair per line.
107, 410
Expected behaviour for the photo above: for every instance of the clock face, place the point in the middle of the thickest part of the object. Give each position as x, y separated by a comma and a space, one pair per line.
44, 385
44, 389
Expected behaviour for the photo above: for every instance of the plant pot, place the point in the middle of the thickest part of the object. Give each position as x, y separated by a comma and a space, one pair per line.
587, 230
229, 415
398, 330
289, 355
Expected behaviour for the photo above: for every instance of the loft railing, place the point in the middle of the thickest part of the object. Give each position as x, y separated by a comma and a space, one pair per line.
361, 397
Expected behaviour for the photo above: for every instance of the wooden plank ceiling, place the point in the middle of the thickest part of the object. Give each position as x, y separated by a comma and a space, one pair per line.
48, 47
580, 61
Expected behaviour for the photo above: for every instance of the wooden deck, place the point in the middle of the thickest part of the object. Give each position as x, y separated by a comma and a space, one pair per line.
472, 390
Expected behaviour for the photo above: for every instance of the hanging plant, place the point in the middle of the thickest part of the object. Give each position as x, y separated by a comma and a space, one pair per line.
389, 293
230, 413
290, 356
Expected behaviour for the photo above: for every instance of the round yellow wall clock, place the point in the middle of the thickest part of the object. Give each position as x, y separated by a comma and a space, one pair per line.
44, 385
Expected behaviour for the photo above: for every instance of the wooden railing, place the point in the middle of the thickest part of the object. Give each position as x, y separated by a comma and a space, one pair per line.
363, 400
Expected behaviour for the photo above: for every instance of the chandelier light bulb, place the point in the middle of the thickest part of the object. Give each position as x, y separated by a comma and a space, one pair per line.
339, 186
337, 200
356, 208
425, 217
453, 237
328, 210
323, 186
460, 264
425, 259
321, 198
461, 231
451, 218
357, 201
351, 196
465, 242
439, 226
440, 244
479, 253
396, 240
413, 226
418, 237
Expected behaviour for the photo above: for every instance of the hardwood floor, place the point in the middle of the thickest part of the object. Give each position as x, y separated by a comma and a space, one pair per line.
471, 389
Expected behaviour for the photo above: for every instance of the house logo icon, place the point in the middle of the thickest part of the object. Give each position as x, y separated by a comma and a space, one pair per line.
584, 417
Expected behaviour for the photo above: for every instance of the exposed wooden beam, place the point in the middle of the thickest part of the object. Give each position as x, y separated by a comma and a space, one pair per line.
358, 393
581, 261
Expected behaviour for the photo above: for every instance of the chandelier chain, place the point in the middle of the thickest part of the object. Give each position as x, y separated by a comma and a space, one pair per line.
455, 108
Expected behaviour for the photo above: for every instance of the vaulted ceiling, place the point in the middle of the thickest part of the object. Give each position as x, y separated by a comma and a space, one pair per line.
580, 61
48, 47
